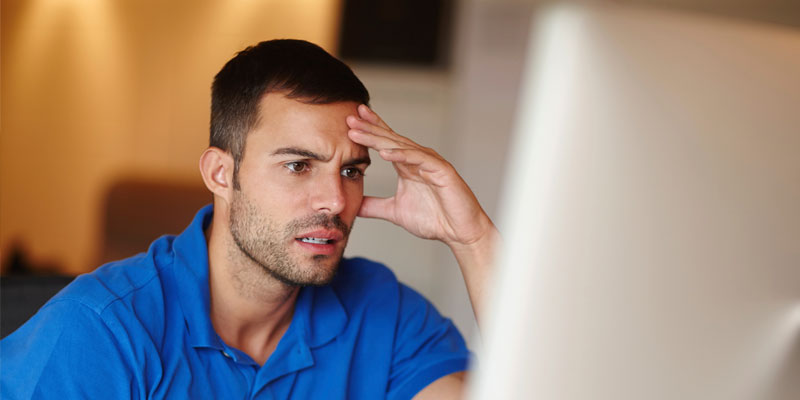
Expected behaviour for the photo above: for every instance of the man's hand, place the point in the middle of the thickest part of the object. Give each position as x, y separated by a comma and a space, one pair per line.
431, 201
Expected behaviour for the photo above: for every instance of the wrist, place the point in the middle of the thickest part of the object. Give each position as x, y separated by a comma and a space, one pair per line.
479, 246
476, 260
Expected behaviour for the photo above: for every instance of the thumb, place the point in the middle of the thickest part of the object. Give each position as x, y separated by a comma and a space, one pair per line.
376, 207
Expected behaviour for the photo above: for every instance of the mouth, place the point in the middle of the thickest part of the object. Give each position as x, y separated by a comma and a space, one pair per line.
320, 242
315, 240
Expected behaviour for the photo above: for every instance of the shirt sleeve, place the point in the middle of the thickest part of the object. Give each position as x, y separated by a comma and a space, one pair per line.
427, 347
66, 351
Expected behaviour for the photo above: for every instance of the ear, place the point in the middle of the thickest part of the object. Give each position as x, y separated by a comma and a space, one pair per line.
216, 166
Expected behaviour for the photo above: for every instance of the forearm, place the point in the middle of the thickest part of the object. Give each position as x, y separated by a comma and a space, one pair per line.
476, 261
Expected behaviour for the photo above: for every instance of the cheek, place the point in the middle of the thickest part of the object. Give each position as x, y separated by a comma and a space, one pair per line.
280, 199
354, 198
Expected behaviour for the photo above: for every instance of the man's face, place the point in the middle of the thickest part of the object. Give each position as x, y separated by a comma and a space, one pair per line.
301, 185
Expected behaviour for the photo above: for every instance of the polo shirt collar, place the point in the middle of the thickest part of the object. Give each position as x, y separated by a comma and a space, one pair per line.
318, 313
321, 313
318, 318
191, 280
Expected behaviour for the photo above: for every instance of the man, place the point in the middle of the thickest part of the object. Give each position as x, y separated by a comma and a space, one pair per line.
254, 300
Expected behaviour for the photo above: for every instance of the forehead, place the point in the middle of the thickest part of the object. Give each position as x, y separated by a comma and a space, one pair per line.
285, 122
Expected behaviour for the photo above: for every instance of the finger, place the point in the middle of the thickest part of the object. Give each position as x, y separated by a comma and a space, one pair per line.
376, 207
420, 158
420, 166
366, 126
366, 113
373, 141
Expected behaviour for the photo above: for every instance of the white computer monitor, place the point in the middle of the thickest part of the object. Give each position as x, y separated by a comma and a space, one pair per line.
651, 218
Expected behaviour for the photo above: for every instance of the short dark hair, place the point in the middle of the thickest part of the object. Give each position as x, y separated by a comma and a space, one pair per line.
302, 70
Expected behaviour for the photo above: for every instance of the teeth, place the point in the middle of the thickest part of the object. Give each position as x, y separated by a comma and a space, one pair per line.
315, 240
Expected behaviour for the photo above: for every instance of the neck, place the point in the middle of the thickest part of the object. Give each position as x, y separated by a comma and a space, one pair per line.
250, 310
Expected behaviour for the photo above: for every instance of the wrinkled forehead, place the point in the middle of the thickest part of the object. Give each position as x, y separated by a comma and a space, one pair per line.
321, 128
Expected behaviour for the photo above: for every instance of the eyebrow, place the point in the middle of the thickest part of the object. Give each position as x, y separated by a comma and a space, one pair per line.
314, 156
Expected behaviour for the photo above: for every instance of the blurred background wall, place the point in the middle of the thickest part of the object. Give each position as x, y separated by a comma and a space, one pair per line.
94, 92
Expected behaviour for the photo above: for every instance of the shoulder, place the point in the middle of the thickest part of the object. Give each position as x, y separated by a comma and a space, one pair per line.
371, 289
423, 345
112, 322
64, 337
118, 281
363, 281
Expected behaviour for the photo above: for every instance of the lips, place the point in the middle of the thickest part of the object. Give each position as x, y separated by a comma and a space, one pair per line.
321, 241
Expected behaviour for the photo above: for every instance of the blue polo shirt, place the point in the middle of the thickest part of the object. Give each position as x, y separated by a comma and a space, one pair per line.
140, 328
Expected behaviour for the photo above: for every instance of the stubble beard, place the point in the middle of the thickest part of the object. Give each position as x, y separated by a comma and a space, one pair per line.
260, 240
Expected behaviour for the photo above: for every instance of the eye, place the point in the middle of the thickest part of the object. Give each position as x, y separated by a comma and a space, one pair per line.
296, 166
352, 173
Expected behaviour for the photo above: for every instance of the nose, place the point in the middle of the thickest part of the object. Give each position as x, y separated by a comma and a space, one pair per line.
328, 195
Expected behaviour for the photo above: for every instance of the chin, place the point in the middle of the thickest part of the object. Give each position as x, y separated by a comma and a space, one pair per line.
324, 269
317, 270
